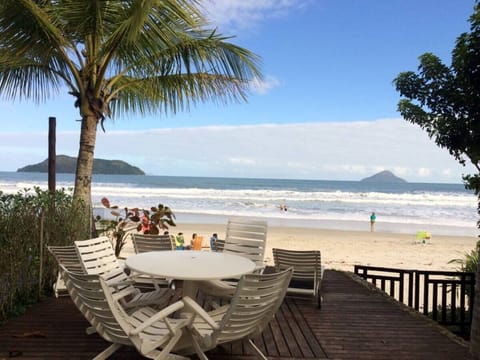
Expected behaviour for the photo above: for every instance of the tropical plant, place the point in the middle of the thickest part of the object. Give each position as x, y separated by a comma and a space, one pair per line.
445, 102
469, 262
115, 57
120, 228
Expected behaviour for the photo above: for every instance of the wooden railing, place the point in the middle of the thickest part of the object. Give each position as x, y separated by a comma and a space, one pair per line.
445, 296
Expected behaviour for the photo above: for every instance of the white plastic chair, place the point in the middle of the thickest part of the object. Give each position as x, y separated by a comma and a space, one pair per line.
253, 305
98, 258
246, 237
148, 242
153, 333
307, 271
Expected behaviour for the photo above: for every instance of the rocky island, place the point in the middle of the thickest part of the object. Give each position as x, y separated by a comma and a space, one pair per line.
383, 177
67, 165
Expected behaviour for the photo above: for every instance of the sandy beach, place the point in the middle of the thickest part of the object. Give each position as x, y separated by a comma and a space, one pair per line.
343, 249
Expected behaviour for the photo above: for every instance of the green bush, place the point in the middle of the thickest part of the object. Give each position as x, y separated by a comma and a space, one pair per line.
30, 221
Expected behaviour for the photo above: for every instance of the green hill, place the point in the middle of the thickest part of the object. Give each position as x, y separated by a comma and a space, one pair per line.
67, 165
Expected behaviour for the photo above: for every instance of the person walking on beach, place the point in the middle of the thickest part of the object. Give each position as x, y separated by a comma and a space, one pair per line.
373, 218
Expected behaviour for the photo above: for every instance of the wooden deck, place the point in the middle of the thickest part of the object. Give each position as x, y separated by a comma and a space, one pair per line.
355, 322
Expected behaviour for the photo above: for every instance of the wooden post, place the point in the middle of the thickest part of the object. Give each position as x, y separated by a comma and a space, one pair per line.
52, 121
40, 271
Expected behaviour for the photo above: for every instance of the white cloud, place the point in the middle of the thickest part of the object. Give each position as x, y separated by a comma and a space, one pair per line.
262, 87
330, 151
345, 168
424, 172
446, 172
242, 14
242, 161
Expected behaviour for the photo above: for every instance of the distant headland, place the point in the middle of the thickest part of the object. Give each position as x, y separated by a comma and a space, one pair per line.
67, 165
384, 177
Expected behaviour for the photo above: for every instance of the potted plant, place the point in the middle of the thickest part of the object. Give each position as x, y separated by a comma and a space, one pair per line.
119, 228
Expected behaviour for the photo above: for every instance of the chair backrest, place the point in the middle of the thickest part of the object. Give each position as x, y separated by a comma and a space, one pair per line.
306, 264
148, 242
255, 302
219, 245
90, 298
247, 238
67, 256
307, 269
97, 255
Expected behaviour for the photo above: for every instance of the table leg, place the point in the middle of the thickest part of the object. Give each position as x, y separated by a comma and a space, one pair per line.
190, 288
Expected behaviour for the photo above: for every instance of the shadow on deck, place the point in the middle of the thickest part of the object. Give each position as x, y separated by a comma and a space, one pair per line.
355, 322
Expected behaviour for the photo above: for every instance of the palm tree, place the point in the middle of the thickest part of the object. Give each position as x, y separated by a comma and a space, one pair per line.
117, 56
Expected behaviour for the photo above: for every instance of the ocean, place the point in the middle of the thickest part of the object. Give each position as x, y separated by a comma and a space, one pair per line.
443, 209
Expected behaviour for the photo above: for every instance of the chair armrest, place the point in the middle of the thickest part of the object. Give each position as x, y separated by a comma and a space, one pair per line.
122, 288
121, 284
158, 316
192, 306
218, 288
259, 269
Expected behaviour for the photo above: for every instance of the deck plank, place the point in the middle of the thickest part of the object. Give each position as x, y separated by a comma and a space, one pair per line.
354, 323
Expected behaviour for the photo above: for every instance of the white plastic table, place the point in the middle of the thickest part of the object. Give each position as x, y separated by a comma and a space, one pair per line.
190, 266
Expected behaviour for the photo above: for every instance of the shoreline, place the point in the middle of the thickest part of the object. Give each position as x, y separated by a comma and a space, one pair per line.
348, 225
342, 249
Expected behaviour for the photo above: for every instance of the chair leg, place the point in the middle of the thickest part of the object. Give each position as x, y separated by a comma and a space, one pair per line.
165, 352
176, 357
107, 352
256, 350
198, 349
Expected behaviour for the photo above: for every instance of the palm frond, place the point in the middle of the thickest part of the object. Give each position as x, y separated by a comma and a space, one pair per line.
174, 93
144, 55
195, 70
33, 51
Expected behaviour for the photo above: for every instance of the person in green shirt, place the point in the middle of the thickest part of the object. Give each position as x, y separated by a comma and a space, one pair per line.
373, 218
179, 241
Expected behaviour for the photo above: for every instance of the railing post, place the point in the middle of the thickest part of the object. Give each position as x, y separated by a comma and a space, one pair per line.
410, 288
444, 299
472, 295
417, 291
462, 304
401, 286
453, 304
434, 301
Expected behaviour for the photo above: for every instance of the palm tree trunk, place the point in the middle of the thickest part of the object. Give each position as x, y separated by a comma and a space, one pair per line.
83, 176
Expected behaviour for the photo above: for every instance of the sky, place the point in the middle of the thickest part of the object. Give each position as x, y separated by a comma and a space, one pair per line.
326, 108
